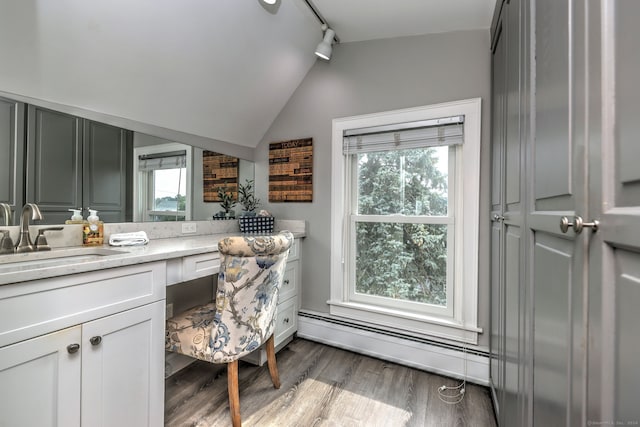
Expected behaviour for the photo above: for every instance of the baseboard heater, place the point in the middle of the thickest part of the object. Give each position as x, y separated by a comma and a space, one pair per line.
406, 349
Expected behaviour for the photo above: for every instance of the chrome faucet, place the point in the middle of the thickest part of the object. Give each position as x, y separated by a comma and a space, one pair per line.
24, 240
6, 213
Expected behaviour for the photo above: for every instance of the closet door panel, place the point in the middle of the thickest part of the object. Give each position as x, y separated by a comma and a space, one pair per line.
552, 172
54, 168
512, 264
627, 344
552, 268
615, 274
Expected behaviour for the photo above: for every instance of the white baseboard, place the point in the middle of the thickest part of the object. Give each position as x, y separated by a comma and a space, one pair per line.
441, 360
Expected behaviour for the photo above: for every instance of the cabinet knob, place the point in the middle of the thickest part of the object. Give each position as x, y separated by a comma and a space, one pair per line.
95, 340
73, 348
578, 224
285, 320
286, 281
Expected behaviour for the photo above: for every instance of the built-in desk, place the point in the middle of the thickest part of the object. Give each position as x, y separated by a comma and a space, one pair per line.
82, 339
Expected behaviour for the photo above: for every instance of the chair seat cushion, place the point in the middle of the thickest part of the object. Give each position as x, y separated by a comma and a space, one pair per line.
191, 330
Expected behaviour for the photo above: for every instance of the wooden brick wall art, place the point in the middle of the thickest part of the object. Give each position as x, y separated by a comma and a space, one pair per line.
291, 171
219, 170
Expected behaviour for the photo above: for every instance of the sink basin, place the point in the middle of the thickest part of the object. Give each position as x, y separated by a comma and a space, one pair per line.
53, 257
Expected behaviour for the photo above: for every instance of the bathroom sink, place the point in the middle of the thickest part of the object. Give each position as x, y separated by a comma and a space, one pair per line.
55, 257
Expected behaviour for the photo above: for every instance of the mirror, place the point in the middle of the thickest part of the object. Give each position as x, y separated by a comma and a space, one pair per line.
172, 183
62, 157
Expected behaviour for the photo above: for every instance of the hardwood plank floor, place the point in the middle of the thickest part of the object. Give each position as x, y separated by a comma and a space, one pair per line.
322, 386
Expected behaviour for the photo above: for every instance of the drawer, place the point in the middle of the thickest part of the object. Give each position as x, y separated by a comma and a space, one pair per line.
294, 251
196, 266
286, 320
290, 281
38, 307
192, 267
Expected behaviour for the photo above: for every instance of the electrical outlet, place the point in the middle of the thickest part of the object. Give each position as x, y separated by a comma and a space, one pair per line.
188, 227
168, 314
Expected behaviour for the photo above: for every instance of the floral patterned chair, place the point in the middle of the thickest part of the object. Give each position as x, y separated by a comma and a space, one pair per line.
242, 317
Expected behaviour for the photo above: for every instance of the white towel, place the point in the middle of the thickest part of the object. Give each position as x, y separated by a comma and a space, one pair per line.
129, 239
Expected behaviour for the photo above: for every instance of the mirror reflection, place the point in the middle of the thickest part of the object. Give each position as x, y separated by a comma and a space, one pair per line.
174, 182
62, 161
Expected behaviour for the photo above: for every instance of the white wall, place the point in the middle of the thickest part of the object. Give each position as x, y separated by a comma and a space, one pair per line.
367, 77
218, 69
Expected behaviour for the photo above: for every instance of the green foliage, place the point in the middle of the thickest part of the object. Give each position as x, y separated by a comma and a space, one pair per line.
394, 259
227, 203
246, 196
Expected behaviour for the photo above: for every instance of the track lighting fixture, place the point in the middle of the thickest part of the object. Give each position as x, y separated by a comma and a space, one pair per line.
325, 48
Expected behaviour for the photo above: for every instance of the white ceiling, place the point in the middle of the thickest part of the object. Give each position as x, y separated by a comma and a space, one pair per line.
220, 69
357, 20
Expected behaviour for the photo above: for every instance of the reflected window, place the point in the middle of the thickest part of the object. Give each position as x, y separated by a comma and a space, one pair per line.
163, 183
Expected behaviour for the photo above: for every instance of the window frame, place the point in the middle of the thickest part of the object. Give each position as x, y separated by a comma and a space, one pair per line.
143, 186
451, 220
460, 324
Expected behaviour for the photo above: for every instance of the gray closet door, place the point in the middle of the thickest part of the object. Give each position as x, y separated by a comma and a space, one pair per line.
12, 119
105, 170
510, 321
54, 166
558, 189
614, 251
498, 115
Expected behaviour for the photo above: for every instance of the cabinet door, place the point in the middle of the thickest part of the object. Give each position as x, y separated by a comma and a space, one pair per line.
106, 170
54, 163
498, 127
41, 381
558, 189
123, 369
614, 251
12, 116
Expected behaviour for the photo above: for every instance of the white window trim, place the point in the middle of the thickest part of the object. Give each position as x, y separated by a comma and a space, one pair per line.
463, 326
139, 205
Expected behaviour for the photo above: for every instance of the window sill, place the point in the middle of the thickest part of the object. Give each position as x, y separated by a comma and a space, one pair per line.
423, 326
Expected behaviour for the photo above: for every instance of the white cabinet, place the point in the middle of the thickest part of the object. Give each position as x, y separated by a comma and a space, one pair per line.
288, 303
40, 381
123, 368
84, 349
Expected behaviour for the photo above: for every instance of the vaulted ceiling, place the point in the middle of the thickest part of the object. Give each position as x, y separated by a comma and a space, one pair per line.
218, 69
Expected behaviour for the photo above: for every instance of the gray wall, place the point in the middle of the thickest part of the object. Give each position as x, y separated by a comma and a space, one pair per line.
367, 77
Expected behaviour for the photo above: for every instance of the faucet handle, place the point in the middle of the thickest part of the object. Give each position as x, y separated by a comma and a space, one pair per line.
6, 244
41, 243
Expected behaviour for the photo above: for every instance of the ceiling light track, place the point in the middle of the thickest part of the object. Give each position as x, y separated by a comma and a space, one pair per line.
318, 15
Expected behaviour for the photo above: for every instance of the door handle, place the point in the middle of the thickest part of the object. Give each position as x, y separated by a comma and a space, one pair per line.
497, 218
578, 224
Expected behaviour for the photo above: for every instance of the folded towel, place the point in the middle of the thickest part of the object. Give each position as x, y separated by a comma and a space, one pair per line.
129, 239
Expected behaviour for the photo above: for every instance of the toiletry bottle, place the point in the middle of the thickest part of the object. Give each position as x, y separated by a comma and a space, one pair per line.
93, 230
76, 218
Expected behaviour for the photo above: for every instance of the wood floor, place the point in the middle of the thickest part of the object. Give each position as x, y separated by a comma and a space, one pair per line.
322, 386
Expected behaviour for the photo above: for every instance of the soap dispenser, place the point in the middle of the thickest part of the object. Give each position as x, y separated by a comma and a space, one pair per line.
93, 230
76, 218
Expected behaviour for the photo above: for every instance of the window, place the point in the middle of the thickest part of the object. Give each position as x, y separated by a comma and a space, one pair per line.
163, 183
405, 219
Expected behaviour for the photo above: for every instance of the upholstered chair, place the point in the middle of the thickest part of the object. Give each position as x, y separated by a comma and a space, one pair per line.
242, 318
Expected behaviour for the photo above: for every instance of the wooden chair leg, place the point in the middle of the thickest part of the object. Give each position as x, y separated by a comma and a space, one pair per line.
234, 393
271, 361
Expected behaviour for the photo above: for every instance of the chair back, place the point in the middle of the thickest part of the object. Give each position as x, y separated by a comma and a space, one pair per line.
249, 281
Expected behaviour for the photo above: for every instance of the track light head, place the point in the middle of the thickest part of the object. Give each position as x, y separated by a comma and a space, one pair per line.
325, 48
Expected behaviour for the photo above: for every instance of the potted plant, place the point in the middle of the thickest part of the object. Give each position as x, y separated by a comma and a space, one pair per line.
227, 203
249, 221
247, 198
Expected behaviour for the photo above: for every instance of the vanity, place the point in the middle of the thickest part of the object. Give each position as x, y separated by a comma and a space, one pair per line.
82, 329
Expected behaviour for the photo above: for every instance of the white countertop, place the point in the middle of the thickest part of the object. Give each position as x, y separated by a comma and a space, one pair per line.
155, 250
